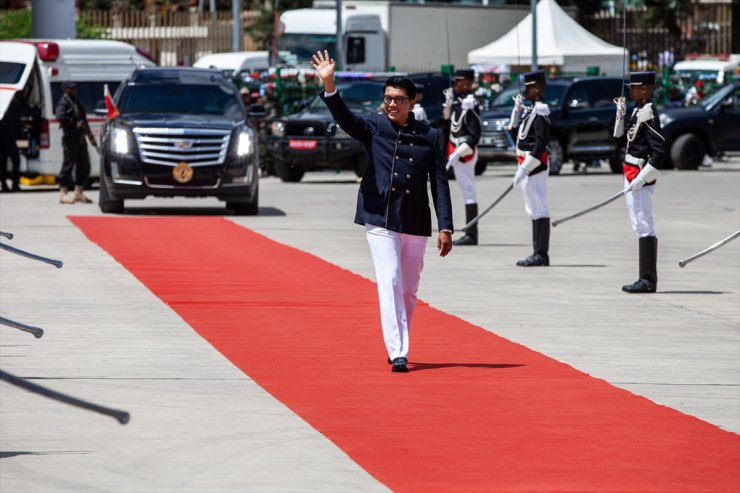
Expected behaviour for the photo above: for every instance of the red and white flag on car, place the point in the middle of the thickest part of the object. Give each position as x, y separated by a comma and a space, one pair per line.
109, 105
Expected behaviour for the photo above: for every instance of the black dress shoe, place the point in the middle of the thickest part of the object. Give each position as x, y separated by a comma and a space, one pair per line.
466, 240
640, 286
534, 260
399, 365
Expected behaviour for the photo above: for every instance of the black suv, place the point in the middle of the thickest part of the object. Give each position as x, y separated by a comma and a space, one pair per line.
582, 122
181, 132
708, 128
311, 140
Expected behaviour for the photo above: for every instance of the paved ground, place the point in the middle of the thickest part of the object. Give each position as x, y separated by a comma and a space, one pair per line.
198, 424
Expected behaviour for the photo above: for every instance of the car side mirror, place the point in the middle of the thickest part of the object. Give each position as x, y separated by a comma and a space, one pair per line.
727, 104
256, 111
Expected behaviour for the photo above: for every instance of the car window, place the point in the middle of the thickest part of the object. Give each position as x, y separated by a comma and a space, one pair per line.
90, 94
363, 96
505, 99
181, 98
10, 72
602, 93
578, 98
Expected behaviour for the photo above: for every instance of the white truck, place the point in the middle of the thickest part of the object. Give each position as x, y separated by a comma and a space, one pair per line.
37, 68
379, 35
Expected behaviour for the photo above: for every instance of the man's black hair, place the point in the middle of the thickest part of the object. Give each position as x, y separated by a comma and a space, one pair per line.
401, 82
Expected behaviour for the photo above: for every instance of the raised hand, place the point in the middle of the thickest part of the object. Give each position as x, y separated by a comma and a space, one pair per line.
324, 66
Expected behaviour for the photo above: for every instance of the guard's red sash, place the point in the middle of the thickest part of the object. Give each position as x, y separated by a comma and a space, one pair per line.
542, 158
631, 171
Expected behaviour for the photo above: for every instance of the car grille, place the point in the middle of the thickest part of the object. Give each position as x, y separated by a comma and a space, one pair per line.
305, 128
495, 135
171, 146
159, 176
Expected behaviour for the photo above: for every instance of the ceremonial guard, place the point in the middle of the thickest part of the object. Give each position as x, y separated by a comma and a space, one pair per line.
405, 163
645, 148
73, 120
533, 132
462, 114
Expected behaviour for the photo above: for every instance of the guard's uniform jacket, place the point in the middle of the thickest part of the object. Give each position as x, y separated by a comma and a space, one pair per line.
464, 126
644, 140
69, 113
533, 134
393, 193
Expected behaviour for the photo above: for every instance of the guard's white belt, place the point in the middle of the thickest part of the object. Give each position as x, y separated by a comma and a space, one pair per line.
630, 159
457, 140
521, 153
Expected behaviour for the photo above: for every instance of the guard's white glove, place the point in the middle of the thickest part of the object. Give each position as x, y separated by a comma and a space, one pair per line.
518, 176
619, 117
447, 104
516, 112
528, 165
469, 102
463, 150
646, 175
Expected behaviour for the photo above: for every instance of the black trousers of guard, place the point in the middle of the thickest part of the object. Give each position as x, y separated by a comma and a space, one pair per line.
8, 149
75, 161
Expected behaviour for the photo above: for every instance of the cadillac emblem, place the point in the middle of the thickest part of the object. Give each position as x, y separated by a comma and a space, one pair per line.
182, 173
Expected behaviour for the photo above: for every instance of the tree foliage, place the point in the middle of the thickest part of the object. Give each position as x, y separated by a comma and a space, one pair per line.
261, 30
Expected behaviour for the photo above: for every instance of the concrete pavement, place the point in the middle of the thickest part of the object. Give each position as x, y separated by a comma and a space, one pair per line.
199, 424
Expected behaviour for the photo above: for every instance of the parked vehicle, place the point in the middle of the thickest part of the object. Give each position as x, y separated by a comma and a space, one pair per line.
384, 35
181, 132
719, 71
310, 140
38, 68
582, 122
708, 128
233, 64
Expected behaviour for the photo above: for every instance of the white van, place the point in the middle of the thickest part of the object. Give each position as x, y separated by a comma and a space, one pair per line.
38, 68
235, 63
719, 71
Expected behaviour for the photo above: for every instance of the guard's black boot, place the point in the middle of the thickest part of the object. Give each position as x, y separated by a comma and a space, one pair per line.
471, 235
541, 242
648, 281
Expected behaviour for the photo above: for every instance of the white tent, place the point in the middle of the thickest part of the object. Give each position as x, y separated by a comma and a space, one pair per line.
560, 41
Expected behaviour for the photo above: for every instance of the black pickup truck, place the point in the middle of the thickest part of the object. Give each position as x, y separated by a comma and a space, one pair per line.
582, 122
310, 140
711, 127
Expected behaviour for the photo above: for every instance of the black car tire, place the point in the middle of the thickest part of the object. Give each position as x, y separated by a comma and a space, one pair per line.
108, 205
687, 152
555, 158
616, 162
246, 208
289, 173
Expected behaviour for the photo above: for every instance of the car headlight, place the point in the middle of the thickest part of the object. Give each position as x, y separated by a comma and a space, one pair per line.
245, 145
664, 119
119, 141
277, 129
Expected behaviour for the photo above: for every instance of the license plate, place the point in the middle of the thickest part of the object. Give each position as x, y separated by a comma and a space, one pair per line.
302, 144
487, 140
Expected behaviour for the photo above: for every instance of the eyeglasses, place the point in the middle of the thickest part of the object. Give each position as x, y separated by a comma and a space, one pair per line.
399, 100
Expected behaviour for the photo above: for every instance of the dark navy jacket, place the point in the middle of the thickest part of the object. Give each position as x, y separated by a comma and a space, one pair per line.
401, 161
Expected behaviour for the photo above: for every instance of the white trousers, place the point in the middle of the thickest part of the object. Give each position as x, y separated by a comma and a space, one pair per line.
398, 259
465, 177
640, 207
534, 189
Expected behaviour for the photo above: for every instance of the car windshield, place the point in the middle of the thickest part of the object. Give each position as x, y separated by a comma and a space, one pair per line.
360, 96
181, 98
714, 99
553, 96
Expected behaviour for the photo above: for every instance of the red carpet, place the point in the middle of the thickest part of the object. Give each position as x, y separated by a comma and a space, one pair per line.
477, 412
